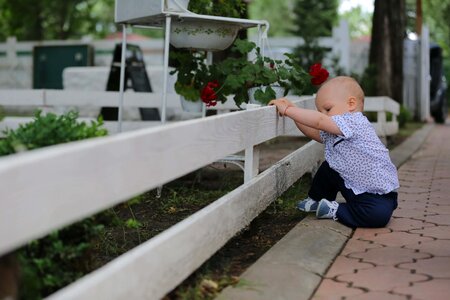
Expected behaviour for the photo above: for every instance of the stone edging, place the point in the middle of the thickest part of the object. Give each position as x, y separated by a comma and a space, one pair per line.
293, 268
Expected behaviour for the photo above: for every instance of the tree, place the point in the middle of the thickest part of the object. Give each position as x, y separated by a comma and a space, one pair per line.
313, 19
49, 19
386, 48
359, 21
278, 13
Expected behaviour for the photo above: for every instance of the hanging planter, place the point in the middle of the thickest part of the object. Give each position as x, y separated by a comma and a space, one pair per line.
279, 92
203, 34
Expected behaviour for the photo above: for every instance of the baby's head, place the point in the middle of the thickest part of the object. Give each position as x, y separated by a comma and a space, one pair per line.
340, 95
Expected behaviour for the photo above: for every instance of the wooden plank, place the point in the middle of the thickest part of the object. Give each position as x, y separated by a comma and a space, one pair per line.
152, 269
103, 98
374, 104
96, 174
21, 97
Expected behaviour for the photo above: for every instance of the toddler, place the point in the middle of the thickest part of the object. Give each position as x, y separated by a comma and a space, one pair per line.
357, 163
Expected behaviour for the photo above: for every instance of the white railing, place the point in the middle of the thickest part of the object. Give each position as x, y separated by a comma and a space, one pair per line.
49, 188
47, 99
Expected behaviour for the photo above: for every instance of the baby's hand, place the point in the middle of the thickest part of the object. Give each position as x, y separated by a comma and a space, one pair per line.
282, 104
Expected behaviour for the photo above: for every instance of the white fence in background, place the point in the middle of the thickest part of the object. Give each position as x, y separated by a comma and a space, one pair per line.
16, 58
416, 71
49, 188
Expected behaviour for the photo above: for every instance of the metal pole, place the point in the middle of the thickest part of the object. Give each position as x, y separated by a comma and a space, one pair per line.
166, 68
122, 75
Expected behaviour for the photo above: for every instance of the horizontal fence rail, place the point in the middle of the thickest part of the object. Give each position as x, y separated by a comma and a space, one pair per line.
66, 98
49, 188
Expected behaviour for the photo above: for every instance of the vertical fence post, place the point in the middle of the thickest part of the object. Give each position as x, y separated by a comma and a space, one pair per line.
381, 121
122, 76
251, 163
424, 75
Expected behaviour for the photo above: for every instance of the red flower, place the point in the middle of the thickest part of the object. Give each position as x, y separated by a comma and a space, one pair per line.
208, 95
319, 74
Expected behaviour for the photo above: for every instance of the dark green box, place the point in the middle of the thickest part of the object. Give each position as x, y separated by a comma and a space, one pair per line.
50, 61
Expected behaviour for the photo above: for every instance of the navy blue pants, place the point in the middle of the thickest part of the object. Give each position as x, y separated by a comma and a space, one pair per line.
363, 210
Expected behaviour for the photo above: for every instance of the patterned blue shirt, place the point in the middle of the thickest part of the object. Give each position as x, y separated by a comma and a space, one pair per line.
359, 156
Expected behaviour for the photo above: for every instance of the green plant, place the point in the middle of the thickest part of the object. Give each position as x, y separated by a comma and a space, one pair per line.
58, 259
49, 129
239, 74
195, 77
236, 74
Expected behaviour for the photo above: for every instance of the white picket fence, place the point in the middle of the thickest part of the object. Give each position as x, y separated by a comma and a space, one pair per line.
49, 188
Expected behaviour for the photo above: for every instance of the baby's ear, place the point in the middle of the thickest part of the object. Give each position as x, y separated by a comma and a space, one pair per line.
352, 103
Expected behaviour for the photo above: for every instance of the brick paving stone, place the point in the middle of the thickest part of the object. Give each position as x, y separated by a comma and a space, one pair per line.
354, 245
414, 190
330, 289
436, 289
366, 232
377, 296
408, 184
436, 247
439, 219
436, 267
409, 213
381, 278
398, 239
345, 265
439, 209
440, 200
405, 224
413, 205
389, 256
438, 232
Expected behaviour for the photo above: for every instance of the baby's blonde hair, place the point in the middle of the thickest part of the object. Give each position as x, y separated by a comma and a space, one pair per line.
348, 87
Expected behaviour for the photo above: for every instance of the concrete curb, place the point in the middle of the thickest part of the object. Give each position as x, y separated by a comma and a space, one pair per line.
293, 268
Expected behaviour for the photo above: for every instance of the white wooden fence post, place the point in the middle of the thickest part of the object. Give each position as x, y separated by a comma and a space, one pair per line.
11, 54
341, 45
251, 163
424, 77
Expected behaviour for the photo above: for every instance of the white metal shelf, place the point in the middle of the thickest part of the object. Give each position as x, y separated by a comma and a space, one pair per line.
139, 13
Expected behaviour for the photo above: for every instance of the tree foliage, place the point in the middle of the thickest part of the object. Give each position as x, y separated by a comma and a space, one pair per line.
49, 19
360, 21
313, 19
278, 13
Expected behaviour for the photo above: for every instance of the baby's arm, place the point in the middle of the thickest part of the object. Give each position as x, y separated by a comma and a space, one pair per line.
308, 121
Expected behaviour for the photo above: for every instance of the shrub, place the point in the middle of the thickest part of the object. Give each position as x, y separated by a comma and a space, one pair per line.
404, 116
47, 130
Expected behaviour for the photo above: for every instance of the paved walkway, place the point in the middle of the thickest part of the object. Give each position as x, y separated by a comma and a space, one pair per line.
410, 258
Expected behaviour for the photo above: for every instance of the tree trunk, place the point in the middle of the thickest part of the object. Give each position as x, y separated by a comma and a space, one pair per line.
386, 47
